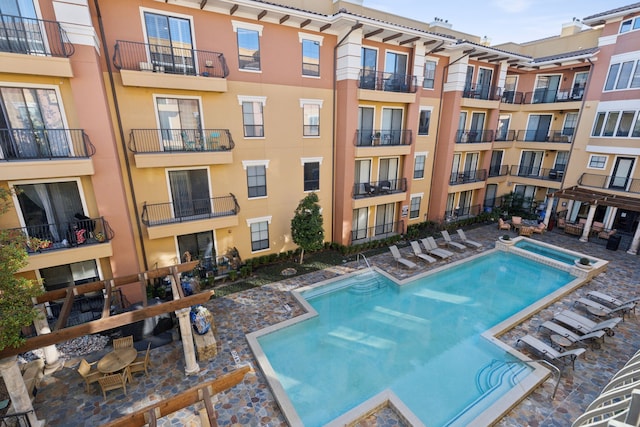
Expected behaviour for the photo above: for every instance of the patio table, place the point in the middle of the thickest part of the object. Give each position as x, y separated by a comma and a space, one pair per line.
117, 360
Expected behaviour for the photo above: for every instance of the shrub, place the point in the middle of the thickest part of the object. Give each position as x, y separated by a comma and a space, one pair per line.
506, 237
233, 275
584, 261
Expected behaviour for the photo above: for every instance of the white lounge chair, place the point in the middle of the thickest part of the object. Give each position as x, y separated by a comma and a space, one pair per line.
463, 238
450, 243
585, 325
551, 352
399, 259
572, 336
612, 301
432, 248
598, 309
417, 251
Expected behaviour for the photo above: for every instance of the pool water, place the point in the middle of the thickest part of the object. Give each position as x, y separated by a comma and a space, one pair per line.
422, 340
564, 257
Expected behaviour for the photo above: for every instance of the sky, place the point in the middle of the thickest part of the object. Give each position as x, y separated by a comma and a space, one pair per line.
500, 20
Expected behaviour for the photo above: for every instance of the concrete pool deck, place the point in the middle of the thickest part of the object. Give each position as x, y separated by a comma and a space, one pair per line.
61, 398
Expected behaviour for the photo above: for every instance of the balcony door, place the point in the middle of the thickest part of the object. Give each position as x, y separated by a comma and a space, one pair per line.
359, 225
388, 172
464, 203
621, 173
395, 70
496, 163
530, 163
170, 43
179, 120
369, 66
385, 215
21, 32
391, 126
362, 176
538, 127
503, 127
477, 127
190, 193
485, 77
546, 89
471, 167
365, 124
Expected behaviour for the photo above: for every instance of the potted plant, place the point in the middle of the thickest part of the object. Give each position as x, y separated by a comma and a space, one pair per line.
100, 237
583, 263
506, 239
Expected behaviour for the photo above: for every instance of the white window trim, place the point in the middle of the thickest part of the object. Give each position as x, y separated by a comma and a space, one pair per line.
247, 26
308, 101
266, 219
304, 160
174, 96
312, 37
247, 163
186, 168
413, 195
55, 88
170, 14
247, 98
606, 160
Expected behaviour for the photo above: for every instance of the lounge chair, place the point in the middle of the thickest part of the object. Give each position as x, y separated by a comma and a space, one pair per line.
516, 221
612, 301
572, 336
447, 238
463, 238
399, 259
598, 309
432, 248
585, 325
417, 251
526, 230
551, 352
503, 225
541, 228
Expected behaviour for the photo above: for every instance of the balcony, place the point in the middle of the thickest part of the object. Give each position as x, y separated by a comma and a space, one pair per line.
181, 147
379, 188
542, 136
610, 182
387, 82
470, 136
189, 216
152, 65
484, 92
377, 232
34, 46
547, 96
499, 171
537, 173
45, 153
462, 213
468, 176
382, 137
512, 97
507, 136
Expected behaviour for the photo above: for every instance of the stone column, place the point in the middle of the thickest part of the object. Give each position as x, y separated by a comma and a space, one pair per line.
51, 355
20, 400
610, 217
587, 225
633, 249
190, 364
547, 213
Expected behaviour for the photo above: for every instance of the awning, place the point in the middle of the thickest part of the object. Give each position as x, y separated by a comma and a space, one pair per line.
599, 198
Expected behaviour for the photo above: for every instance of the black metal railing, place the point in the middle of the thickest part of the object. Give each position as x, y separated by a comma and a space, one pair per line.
512, 97
383, 137
377, 232
180, 140
559, 136
550, 174
61, 235
546, 96
169, 59
388, 82
468, 176
470, 136
24, 144
462, 213
618, 183
379, 188
532, 135
189, 210
33, 37
16, 419
509, 135
499, 170
486, 92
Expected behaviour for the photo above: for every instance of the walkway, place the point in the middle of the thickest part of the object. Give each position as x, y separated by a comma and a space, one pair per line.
61, 398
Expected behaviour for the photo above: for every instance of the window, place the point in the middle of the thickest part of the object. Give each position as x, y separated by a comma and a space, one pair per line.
248, 45
626, 26
597, 162
579, 85
199, 246
310, 117
429, 74
252, 115
502, 133
170, 43
310, 54
610, 123
179, 121
414, 209
257, 181
569, 126
423, 125
626, 121
562, 158
623, 75
259, 235
311, 176
63, 276
418, 166
190, 192
496, 163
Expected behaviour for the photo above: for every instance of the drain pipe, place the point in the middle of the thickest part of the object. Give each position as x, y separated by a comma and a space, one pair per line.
116, 107
357, 25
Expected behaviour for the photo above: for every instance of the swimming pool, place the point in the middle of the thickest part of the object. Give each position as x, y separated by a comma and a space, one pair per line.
422, 340
564, 256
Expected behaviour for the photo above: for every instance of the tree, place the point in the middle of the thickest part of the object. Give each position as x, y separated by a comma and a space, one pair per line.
16, 307
306, 226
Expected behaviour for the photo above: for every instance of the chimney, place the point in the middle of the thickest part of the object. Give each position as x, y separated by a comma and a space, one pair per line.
439, 22
571, 28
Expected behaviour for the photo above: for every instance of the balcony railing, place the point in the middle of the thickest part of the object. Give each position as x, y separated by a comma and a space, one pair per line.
462, 213
559, 136
499, 170
509, 135
27, 144
383, 137
169, 59
468, 176
377, 232
629, 185
379, 188
470, 136
388, 82
546, 96
189, 210
533, 135
62, 235
512, 97
180, 140
489, 93
33, 37
537, 173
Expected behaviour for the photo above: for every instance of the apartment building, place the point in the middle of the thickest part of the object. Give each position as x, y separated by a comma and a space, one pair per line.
58, 148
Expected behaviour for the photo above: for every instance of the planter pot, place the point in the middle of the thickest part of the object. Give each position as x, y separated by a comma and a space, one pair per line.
506, 242
582, 266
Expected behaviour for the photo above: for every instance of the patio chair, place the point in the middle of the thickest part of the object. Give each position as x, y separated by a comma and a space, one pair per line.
526, 231
541, 228
123, 342
561, 223
89, 375
432, 248
141, 363
598, 309
612, 301
550, 352
503, 225
113, 382
399, 259
450, 243
463, 238
572, 336
605, 234
417, 251
516, 221
585, 325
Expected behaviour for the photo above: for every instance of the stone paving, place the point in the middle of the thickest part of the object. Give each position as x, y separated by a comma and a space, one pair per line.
62, 400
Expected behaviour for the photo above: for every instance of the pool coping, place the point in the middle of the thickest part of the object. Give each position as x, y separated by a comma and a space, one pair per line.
386, 397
